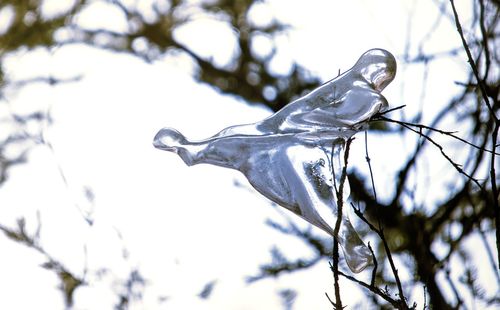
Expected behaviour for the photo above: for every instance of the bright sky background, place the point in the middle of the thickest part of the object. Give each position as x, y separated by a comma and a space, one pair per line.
184, 227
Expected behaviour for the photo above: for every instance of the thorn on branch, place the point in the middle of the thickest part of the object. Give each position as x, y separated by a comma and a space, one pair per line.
376, 115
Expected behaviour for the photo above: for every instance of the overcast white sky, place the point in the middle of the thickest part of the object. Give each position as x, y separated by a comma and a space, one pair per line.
183, 227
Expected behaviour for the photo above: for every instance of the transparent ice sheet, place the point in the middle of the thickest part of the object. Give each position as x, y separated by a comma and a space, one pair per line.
295, 157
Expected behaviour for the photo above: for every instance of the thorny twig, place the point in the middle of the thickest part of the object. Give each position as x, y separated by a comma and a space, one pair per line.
420, 127
375, 290
340, 201
428, 138
334, 266
380, 232
401, 302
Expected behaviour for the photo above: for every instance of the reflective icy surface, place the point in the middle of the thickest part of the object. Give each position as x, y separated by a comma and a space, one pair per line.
295, 156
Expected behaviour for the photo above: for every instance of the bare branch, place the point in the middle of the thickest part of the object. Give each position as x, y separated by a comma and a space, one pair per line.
375, 266
368, 160
380, 232
420, 127
428, 138
395, 303
472, 63
340, 203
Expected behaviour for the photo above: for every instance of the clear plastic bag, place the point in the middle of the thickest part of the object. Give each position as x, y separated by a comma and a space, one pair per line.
295, 157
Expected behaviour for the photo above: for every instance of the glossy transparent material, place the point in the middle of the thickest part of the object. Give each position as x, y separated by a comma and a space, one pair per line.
295, 157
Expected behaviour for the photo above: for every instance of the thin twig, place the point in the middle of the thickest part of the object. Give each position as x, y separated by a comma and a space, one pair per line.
484, 34
472, 63
380, 232
389, 111
494, 190
420, 133
375, 266
494, 135
373, 289
379, 117
50, 80
340, 202
368, 160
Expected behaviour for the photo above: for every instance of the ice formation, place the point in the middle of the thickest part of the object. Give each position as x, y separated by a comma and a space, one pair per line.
295, 157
